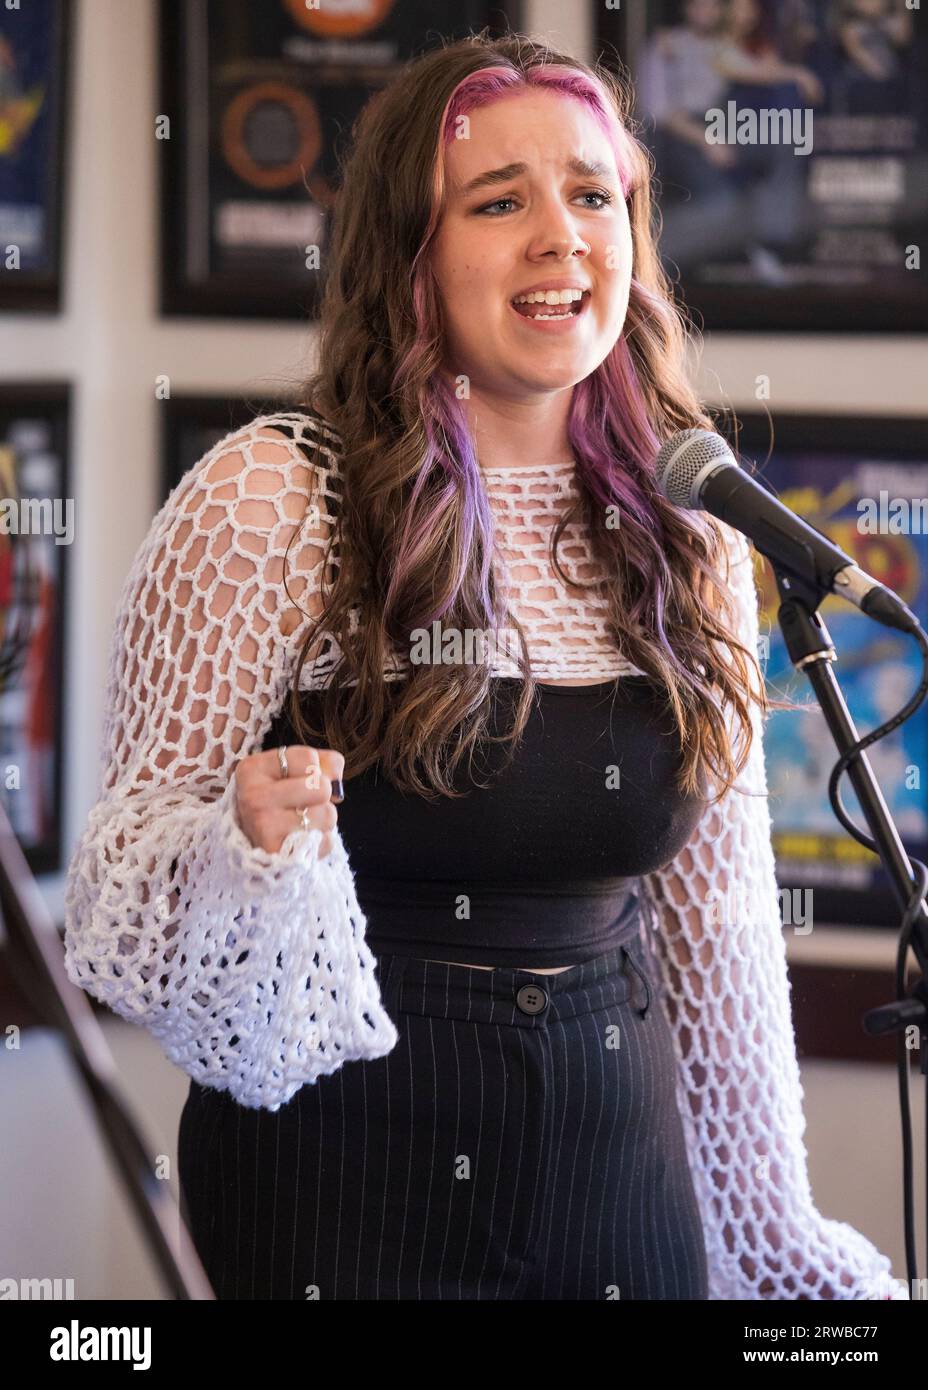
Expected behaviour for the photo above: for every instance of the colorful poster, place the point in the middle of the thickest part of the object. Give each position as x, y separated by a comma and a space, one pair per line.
37, 527
33, 87
874, 505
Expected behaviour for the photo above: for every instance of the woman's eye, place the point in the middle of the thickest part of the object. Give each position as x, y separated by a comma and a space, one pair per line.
605, 199
596, 193
494, 204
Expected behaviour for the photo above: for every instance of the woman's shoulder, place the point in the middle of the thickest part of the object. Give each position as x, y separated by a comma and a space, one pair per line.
290, 450
281, 438
302, 425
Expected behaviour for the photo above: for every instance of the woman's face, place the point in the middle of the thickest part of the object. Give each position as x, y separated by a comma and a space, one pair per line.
544, 226
742, 15
703, 15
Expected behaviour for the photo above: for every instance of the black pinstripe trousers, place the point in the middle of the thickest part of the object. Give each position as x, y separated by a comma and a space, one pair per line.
521, 1141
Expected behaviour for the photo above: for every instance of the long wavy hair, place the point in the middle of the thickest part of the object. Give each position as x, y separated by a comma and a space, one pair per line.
414, 525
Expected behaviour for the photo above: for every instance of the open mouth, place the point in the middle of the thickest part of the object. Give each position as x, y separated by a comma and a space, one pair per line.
552, 313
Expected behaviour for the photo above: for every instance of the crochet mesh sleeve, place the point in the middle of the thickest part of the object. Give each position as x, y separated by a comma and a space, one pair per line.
249, 967
725, 988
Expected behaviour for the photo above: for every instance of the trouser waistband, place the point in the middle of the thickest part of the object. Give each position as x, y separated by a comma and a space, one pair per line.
523, 998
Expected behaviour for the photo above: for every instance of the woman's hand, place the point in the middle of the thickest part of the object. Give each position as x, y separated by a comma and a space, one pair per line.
809, 85
269, 803
721, 156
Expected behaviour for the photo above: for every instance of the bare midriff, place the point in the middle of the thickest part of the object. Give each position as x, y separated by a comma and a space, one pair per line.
535, 970
554, 970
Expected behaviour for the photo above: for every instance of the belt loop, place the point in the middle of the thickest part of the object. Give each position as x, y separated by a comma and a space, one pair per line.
649, 920
643, 978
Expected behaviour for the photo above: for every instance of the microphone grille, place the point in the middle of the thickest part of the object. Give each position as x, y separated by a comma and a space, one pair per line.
682, 460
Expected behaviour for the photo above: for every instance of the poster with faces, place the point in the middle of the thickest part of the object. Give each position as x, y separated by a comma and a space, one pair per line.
789, 139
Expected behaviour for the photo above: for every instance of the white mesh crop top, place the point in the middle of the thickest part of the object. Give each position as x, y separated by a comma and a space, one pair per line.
253, 969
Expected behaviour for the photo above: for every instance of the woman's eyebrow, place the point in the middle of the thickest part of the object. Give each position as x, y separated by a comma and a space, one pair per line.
590, 169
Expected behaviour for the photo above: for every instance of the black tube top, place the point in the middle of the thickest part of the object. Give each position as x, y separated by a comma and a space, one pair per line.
540, 868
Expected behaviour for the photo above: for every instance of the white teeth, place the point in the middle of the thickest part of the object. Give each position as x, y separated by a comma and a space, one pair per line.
549, 297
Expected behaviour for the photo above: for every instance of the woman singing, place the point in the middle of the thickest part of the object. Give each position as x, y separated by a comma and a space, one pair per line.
432, 843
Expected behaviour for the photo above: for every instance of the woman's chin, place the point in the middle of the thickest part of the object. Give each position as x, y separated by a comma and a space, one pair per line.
558, 373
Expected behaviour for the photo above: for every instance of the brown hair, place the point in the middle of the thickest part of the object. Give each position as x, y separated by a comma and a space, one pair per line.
413, 527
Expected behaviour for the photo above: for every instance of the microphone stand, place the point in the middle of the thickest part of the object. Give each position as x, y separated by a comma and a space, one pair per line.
38, 962
812, 651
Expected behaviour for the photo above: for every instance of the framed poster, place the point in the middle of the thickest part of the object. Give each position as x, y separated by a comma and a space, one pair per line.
35, 86
37, 525
790, 140
191, 425
256, 103
863, 481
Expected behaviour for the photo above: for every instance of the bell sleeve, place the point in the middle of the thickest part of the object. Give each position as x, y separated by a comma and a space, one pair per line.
250, 968
725, 991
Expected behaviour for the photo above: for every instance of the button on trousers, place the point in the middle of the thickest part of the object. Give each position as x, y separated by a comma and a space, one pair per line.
521, 1141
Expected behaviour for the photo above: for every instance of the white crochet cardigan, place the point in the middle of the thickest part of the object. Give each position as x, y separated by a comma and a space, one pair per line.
251, 968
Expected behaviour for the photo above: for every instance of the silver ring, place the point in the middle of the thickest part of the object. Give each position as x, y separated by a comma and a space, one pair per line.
282, 759
304, 818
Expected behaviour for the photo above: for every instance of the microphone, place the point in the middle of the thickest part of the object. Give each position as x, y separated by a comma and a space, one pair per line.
697, 470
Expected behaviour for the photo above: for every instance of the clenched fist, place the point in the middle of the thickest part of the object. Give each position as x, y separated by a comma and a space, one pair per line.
282, 789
